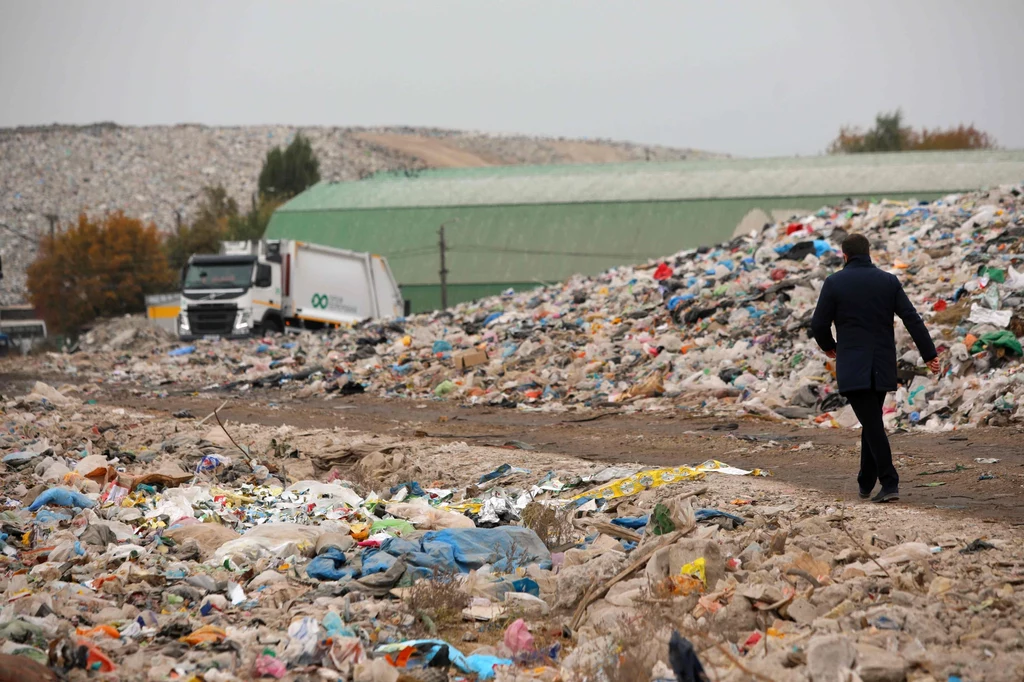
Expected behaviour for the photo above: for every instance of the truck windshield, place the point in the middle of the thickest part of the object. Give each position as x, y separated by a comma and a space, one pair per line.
218, 276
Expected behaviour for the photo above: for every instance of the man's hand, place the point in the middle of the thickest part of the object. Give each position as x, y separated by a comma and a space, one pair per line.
830, 354
934, 366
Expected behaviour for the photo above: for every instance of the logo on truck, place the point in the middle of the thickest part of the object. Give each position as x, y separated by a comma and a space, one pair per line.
337, 304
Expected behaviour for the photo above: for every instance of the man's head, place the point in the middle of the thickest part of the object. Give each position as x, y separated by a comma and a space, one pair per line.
856, 245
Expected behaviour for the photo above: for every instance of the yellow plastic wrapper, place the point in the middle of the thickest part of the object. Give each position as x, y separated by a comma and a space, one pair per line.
360, 531
696, 569
654, 478
471, 506
644, 480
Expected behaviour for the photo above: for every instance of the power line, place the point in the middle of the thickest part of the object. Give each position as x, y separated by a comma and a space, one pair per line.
413, 252
488, 249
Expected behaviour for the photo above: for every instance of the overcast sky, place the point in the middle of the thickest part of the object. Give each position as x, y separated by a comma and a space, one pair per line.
749, 78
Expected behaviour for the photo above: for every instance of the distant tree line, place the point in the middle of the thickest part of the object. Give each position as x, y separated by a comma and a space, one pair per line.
106, 267
890, 135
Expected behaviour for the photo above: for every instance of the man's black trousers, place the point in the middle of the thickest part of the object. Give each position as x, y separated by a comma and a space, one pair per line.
875, 455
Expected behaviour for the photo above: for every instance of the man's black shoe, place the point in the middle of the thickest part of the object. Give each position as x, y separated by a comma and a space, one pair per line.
864, 495
883, 496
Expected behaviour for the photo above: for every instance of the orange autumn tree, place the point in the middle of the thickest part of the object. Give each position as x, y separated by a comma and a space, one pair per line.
891, 135
97, 268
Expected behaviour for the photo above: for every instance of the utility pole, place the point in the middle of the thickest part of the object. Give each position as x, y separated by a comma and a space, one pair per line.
443, 272
52, 217
444, 268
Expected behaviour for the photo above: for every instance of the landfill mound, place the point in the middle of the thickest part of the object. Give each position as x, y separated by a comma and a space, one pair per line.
720, 330
142, 547
157, 173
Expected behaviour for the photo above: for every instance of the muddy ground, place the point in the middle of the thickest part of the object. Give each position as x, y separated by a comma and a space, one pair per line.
667, 439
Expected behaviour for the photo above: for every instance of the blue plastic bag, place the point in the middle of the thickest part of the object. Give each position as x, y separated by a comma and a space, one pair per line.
633, 522
45, 517
62, 497
705, 514
478, 664
497, 473
414, 489
16, 458
184, 350
441, 346
330, 566
527, 586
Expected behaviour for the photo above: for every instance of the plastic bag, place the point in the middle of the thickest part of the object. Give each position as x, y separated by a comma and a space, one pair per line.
270, 540
61, 497
326, 493
424, 516
518, 638
1001, 339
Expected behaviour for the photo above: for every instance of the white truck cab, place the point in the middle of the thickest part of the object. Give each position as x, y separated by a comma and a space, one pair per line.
274, 285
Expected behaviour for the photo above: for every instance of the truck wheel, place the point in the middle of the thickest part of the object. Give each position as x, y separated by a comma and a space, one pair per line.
272, 324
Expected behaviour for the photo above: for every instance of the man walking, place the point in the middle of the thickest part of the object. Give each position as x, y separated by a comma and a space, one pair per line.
861, 300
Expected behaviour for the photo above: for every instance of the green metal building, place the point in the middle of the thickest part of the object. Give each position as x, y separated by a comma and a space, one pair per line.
520, 226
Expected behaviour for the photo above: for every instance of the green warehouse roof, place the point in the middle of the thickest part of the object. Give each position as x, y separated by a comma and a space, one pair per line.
861, 174
516, 226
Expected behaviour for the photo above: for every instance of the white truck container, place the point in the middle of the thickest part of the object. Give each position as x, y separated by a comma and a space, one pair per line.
274, 285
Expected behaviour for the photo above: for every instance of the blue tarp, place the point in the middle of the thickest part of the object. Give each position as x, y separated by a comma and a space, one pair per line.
419, 553
505, 547
376, 561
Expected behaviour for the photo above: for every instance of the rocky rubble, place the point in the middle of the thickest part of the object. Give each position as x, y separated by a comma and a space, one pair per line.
157, 172
141, 547
721, 330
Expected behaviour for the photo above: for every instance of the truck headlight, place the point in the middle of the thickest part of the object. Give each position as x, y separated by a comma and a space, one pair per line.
243, 320
183, 325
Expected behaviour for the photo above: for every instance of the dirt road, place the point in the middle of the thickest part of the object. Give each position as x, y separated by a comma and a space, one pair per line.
937, 470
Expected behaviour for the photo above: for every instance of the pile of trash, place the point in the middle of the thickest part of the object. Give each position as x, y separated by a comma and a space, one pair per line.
718, 330
124, 333
191, 549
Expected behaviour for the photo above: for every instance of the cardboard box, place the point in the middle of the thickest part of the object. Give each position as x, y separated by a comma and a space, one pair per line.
469, 358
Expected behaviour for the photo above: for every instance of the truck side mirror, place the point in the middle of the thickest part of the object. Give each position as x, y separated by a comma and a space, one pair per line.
263, 275
183, 269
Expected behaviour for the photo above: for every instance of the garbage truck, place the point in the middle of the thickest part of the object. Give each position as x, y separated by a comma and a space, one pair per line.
254, 287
